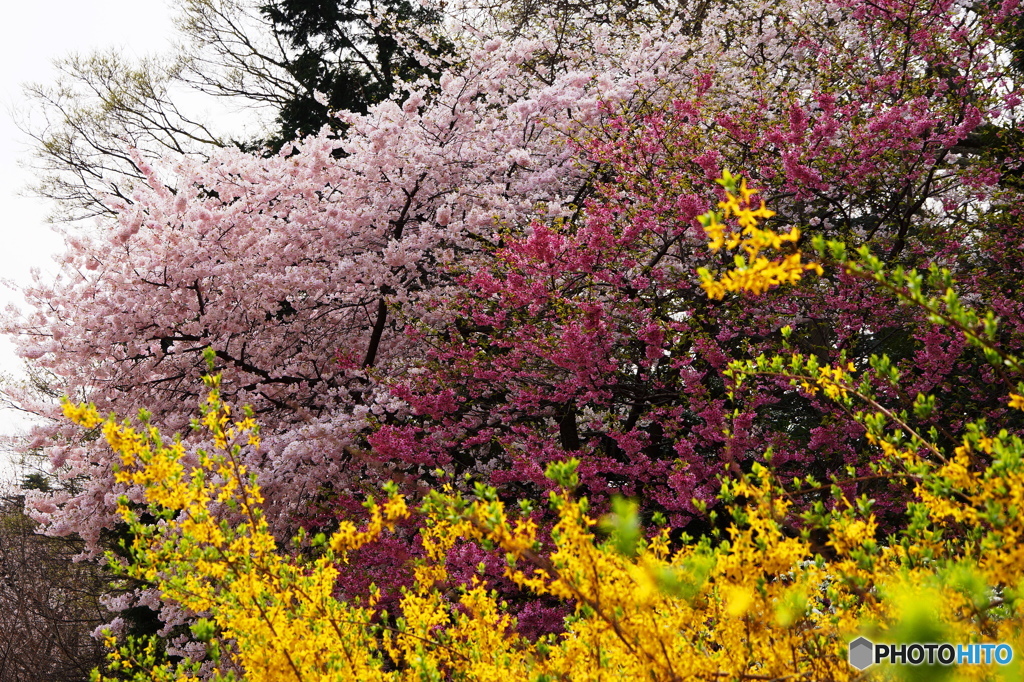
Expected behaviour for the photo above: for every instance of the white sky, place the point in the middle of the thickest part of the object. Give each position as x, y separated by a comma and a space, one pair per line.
37, 32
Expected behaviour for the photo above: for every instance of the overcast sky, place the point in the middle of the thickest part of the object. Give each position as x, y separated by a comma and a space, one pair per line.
36, 34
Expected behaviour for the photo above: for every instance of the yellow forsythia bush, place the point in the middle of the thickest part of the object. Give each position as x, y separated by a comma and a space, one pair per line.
754, 605
753, 602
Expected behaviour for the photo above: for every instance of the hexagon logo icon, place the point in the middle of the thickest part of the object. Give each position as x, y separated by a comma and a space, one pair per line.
862, 653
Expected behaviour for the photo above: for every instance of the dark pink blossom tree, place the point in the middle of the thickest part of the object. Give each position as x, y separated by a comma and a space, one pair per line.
590, 336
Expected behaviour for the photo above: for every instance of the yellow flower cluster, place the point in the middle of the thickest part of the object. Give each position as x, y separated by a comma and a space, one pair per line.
753, 272
754, 604
697, 613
